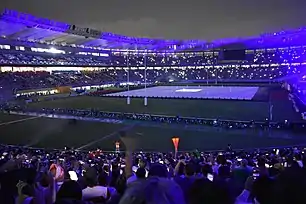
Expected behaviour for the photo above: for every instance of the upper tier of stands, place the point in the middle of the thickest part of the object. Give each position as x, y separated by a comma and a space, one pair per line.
150, 59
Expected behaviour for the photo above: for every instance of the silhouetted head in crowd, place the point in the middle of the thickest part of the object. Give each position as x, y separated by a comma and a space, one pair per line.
44, 179
91, 177
207, 169
70, 190
244, 163
181, 169
202, 191
114, 177
102, 179
106, 168
28, 175
261, 162
190, 169
224, 172
158, 170
263, 171
141, 173
154, 190
121, 184
221, 159
142, 163
263, 190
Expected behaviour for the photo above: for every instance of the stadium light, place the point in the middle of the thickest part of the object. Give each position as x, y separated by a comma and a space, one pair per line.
55, 51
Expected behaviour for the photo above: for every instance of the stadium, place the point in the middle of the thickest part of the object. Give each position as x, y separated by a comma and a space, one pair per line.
94, 117
66, 86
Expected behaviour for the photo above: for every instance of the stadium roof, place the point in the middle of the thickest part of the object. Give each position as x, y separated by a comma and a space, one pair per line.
25, 27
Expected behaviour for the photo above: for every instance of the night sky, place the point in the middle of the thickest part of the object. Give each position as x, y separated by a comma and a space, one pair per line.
171, 19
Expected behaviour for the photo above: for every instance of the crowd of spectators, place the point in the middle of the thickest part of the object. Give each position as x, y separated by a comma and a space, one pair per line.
33, 59
153, 59
43, 79
260, 65
131, 177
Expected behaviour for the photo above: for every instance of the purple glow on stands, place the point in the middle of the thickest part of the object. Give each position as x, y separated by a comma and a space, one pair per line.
19, 21
95, 43
37, 34
142, 41
8, 29
42, 35
32, 21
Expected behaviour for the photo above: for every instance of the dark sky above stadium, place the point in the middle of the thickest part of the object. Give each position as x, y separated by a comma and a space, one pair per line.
171, 19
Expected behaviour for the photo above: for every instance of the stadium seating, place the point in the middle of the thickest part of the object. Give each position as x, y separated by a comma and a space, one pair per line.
270, 65
40, 176
283, 64
157, 59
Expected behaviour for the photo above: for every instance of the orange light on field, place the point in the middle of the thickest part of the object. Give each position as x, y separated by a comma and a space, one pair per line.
175, 141
117, 145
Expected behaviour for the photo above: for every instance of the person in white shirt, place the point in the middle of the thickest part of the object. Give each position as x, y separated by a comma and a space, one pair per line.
93, 189
141, 173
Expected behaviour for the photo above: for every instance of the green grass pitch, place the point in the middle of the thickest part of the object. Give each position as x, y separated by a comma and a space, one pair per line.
59, 133
214, 109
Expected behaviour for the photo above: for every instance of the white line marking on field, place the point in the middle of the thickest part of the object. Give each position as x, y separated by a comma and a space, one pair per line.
18, 121
105, 137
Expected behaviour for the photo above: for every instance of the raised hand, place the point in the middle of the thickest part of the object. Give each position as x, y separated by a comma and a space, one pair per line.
20, 185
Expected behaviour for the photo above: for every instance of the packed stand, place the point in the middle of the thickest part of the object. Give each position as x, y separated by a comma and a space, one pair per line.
153, 59
260, 65
132, 177
42, 79
50, 59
